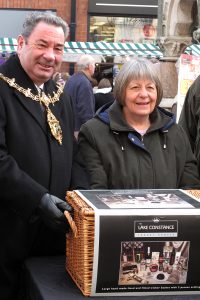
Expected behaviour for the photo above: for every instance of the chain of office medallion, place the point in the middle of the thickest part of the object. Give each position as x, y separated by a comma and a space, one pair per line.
54, 124
27, 92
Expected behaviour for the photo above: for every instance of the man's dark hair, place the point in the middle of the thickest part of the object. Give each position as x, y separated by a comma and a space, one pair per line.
33, 19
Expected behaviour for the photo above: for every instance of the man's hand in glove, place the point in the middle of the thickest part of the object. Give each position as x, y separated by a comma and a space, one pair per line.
51, 210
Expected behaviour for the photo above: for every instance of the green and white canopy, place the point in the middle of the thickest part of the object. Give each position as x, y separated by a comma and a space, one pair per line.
8, 45
193, 50
112, 49
73, 50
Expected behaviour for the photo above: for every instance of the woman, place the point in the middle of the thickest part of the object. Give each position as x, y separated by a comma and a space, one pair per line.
134, 144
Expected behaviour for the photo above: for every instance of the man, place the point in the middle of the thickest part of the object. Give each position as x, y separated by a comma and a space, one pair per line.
79, 87
38, 156
190, 117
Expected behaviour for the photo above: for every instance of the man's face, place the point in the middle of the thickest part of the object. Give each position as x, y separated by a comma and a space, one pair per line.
41, 54
91, 68
148, 30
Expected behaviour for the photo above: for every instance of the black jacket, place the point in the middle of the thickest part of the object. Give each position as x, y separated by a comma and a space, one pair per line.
102, 98
31, 160
119, 158
190, 117
31, 164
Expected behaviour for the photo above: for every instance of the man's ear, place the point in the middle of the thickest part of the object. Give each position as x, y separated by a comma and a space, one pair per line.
20, 42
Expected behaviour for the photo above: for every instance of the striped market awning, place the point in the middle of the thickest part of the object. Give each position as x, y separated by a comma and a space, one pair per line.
8, 45
113, 49
193, 50
98, 48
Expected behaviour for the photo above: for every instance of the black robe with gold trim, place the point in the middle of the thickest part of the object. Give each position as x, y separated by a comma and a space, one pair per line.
31, 163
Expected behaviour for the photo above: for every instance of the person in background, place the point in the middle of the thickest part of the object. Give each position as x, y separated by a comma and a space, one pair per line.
190, 117
94, 83
103, 94
79, 87
61, 78
133, 143
39, 158
148, 30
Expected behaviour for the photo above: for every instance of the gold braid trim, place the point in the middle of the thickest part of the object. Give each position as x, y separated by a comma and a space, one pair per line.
53, 123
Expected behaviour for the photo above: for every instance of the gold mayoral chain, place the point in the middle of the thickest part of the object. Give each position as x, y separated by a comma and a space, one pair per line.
54, 124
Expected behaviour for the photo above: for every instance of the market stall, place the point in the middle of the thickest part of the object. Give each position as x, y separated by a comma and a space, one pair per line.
100, 49
73, 50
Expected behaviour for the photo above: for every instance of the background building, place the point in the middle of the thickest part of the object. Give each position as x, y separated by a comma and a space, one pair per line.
89, 20
168, 23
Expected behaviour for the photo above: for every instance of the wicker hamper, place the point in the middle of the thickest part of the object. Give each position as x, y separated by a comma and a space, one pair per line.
80, 249
80, 242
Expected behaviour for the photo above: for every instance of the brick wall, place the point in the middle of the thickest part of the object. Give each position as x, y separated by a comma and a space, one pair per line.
62, 7
81, 20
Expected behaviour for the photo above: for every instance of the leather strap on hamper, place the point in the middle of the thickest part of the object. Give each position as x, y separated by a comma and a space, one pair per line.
71, 223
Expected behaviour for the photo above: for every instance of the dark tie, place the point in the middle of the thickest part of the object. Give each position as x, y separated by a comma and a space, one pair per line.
40, 91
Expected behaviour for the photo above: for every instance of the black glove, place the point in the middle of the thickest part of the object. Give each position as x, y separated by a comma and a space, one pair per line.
51, 210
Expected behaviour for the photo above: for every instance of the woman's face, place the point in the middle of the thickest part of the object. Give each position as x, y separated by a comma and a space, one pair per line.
140, 98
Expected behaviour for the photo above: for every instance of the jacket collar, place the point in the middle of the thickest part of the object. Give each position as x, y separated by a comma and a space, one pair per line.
82, 73
160, 118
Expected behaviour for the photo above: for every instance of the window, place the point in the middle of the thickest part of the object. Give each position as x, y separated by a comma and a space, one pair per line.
123, 29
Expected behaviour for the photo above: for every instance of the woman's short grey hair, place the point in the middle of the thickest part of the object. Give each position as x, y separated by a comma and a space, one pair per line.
34, 18
137, 68
84, 61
